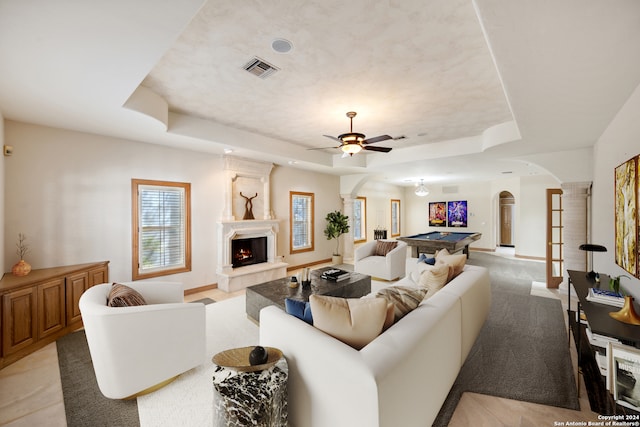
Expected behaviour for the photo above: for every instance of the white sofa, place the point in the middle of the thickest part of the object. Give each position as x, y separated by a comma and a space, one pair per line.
388, 267
135, 348
401, 378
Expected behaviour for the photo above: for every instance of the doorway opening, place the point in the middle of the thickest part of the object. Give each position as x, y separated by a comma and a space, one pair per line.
507, 217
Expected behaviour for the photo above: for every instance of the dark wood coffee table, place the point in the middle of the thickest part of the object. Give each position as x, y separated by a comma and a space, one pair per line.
276, 291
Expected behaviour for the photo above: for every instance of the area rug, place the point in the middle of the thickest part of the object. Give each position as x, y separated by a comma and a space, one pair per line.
188, 401
521, 352
84, 405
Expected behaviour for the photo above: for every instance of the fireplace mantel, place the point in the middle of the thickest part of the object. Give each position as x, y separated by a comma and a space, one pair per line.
244, 178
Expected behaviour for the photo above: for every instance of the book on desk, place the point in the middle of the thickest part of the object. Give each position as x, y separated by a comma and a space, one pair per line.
604, 296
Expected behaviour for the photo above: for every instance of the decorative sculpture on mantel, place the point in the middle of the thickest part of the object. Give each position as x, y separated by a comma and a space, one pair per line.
248, 206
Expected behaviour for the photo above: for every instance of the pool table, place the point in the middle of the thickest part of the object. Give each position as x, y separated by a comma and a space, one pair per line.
452, 241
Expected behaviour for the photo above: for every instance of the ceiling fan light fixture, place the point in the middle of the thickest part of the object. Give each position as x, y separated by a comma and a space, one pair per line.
351, 138
351, 148
421, 191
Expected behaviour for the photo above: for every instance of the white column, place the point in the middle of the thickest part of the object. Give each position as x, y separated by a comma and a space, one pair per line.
347, 238
227, 215
574, 224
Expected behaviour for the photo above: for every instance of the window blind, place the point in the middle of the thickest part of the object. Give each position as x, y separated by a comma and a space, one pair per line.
301, 210
162, 227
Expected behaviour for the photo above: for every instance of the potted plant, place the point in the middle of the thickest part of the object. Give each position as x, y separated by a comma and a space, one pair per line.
337, 225
614, 283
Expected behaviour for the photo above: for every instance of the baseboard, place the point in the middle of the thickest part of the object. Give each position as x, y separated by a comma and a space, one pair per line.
200, 289
309, 264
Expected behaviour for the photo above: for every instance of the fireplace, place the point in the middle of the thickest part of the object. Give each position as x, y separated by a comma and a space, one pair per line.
248, 251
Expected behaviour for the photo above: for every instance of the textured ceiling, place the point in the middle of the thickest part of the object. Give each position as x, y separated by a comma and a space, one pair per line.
418, 69
481, 89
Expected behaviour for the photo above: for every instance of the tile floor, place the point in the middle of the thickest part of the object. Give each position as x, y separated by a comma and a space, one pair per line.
31, 393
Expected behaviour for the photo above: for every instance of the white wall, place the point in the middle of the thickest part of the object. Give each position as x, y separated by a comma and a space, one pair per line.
70, 193
482, 198
326, 199
379, 195
3, 264
531, 240
619, 143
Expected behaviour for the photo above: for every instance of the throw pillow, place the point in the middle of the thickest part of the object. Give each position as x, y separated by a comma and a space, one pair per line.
403, 298
383, 247
299, 309
426, 259
434, 279
124, 296
456, 261
354, 321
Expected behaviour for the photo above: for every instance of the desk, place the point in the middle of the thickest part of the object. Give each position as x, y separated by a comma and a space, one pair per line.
600, 322
436, 240
598, 314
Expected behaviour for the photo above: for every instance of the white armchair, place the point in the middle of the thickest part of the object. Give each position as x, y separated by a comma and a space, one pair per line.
389, 267
136, 348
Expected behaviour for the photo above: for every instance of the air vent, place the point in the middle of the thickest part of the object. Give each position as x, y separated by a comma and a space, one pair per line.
260, 68
451, 189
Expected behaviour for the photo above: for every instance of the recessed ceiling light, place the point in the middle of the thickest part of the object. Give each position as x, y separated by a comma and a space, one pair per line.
281, 46
292, 162
228, 151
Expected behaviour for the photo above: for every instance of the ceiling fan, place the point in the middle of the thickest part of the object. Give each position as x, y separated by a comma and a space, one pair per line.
353, 142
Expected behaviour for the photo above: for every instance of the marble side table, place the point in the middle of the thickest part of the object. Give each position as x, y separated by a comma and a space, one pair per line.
246, 397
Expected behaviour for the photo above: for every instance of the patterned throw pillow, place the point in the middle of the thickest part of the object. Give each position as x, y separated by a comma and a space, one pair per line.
124, 296
403, 298
435, 278
383, 247
354, 321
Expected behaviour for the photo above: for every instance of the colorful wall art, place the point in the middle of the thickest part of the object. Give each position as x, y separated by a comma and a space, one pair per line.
457, 213
626, 216
437, 214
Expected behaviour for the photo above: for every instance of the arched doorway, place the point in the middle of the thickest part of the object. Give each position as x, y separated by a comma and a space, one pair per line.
507, 216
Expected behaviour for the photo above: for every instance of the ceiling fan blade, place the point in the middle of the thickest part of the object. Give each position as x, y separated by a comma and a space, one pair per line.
380, 149
376, 139
334, 138
323, 148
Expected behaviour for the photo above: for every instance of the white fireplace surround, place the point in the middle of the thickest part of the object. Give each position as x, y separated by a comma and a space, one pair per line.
248, 177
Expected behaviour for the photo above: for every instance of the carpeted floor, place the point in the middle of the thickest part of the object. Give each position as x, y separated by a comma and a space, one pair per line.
521, 354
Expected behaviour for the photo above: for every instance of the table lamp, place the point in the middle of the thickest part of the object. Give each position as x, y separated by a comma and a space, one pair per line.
591, 248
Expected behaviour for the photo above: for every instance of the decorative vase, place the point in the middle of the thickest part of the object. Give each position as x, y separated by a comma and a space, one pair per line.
336, 259
22, 268
627, 313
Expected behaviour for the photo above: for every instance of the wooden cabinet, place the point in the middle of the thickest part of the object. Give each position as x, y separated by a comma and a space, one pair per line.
41, 307
51, 307
18, 320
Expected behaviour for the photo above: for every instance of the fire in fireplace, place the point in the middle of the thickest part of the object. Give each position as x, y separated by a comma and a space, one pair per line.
252, 250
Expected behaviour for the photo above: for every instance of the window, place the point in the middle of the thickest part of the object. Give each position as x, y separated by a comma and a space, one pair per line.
395, 217
360, 219
301, 222
161, 228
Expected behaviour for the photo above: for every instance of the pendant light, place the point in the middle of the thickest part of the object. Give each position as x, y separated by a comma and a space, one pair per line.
421, 191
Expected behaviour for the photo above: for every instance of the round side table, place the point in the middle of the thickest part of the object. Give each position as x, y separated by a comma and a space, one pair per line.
245, 395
